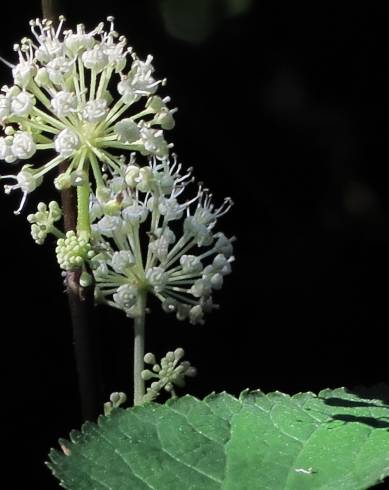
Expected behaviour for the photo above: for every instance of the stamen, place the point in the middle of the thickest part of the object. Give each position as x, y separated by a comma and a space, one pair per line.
7, 63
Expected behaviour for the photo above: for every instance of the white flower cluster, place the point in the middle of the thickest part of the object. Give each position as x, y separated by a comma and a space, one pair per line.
73, 251
185, 260
42, 222
86, 98
73, 96
170, 372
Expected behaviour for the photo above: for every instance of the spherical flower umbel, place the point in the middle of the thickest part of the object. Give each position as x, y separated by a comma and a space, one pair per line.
78, 96
148, 238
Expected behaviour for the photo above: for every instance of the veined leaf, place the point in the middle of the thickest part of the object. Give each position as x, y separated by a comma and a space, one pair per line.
334, 440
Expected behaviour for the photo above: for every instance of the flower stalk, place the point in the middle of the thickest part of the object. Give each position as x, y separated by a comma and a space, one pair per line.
83, 222
139, 348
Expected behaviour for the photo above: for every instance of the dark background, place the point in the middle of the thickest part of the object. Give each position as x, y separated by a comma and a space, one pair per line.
283, 109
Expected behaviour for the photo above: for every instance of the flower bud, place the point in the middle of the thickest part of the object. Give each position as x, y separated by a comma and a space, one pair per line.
86, 279
132, 176
149, 358
127, 131
42, 77
63, 181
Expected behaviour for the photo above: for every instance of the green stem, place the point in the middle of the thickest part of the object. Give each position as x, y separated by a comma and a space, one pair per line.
139, 349
56, 232
83, 222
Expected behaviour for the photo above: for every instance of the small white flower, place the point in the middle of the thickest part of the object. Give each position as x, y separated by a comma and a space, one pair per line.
170, 208
127, 91
115, 56
22, 104
157, 278
154, 142
216, 281
95, 59
95, 110
67, 142
108, 225
127, 131
221, 263
191, 264
50, 48
6, 152
223, 245
135, 214
126, 297
23, 73
196, 315
199, 231
121, 261
140, 77
79, 42
23, 145
202, 287
26, 181
64, 103
59, 69
160, 246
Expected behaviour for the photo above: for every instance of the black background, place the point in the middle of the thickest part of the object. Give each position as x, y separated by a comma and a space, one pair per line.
285, 110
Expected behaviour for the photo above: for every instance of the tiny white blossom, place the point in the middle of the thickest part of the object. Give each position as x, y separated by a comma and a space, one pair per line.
23, 73
154, 142
26, 180
191, 264
122, 260
64, 103
170, 208
95, 110
125, 298
95, 59
23, 145
59, 69
67, 142
135, 214
108, 225
127, 131
157, 278
6, 151
22, 104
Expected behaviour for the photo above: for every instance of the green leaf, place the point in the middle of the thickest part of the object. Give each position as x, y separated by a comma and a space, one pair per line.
334, 440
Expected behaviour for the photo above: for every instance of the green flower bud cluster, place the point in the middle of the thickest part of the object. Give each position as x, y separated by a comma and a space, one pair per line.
73, 251
42, 222
169, 373
115, 400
